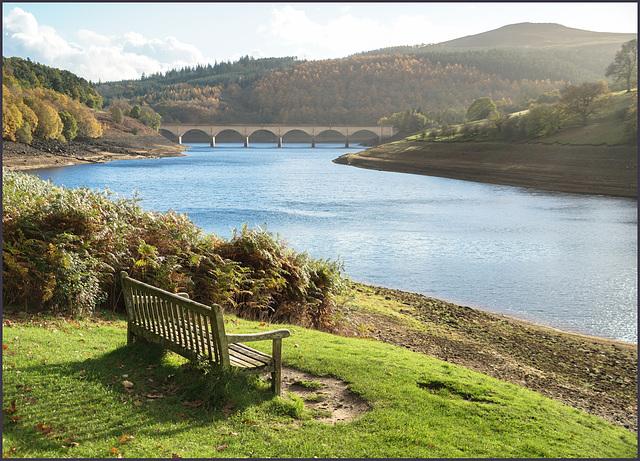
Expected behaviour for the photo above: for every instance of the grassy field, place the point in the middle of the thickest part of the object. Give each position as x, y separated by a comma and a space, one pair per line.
602, 129
74, 389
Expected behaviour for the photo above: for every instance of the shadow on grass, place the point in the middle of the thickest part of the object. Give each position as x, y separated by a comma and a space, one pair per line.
139, 389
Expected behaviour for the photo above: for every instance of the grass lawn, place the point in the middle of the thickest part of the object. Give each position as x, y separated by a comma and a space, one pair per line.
74, 389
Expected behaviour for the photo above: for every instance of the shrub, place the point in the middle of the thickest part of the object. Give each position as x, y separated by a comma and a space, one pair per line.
116, 115
63, 248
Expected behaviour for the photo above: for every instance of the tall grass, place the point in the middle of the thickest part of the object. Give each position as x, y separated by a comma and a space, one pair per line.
62, 249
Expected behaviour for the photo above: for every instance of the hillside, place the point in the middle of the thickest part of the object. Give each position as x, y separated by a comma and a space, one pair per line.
596, 158
541, 35
526, 51
117, 142
513, 65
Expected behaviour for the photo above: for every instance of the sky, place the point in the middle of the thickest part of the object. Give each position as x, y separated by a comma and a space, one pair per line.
112, 41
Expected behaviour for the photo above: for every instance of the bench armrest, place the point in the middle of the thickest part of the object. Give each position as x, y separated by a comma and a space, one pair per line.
241, 338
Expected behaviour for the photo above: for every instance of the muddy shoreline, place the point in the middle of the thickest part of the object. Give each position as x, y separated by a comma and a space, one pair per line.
51, 154
585, 169
595, 375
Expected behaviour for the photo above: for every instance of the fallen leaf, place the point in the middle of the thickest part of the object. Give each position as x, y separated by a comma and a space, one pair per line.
16, 418
127, 384
114, 450
12, 409
137, 403
222, 447
5, 347
173, 455
32, 400
126, 437
155, 396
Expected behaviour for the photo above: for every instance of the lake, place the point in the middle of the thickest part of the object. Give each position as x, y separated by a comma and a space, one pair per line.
562, 260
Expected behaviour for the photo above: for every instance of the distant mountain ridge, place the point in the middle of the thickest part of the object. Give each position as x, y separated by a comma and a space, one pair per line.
528, 34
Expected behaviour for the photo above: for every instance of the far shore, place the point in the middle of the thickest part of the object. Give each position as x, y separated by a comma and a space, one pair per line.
584, 169
53, 154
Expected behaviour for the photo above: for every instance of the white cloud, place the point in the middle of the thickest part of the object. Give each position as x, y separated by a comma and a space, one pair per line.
95, 56
42, 41
348, 34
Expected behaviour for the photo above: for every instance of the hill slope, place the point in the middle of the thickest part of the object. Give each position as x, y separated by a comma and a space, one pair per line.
540, 35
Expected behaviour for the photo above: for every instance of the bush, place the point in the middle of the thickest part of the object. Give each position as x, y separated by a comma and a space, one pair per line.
116, 115
62, 250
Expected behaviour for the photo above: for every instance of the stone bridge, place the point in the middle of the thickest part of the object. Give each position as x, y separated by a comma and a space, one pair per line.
246, 130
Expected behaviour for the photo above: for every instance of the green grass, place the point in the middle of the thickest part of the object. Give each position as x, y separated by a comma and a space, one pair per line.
78, 390
606, 128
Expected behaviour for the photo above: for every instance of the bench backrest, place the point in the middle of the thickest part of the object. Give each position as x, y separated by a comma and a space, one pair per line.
187, 327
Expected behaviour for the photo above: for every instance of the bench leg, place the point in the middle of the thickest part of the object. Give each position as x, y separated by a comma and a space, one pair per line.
276, 375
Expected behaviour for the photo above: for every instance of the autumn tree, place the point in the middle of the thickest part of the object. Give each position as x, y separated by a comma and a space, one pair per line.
586, 99
49, 123
625, 64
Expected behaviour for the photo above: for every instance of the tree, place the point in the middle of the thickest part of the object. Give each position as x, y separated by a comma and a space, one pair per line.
116, 114
49, 123
480, 109
135, 112
625, 64
69, 125
586, 99
498, 120
543, 119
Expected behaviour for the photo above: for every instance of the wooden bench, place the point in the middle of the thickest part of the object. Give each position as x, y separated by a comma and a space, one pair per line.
196, 331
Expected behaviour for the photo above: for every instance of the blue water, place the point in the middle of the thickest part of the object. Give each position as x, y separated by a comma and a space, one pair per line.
566, 261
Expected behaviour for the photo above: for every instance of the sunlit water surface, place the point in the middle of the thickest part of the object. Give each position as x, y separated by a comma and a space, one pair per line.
566, 261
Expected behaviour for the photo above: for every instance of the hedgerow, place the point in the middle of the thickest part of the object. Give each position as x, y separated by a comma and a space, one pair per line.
62, 249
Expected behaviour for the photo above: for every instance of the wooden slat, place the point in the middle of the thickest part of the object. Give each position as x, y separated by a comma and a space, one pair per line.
248, 357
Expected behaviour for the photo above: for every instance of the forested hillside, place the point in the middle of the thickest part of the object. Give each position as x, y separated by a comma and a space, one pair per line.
354, 90
32, 75
362, 88
46, 103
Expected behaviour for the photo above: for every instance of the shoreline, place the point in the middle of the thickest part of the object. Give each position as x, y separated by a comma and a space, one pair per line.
585, 169
53, 154
596, 375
